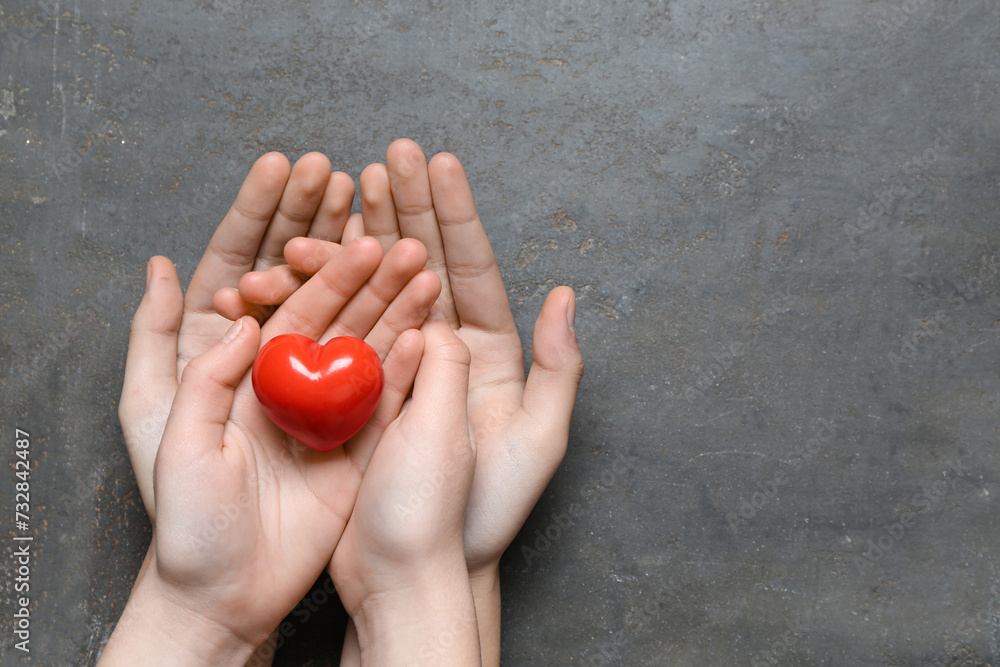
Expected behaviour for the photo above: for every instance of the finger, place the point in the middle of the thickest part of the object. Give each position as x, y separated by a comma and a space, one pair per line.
400, 368
377, 208
407, 311
335, 208
205, 396
315, 305
297, 208
480, 299
441, 387
403, 261
229, 303
355, 228
151, 371
308, 256
556, 369
272, 286
415, 210
233, 248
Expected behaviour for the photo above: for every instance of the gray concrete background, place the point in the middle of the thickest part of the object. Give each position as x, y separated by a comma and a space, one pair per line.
767, 389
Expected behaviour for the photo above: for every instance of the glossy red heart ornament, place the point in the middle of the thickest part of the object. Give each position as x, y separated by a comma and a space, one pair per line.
321, 395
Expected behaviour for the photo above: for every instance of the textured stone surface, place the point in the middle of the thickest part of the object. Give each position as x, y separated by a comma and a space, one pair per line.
752, 414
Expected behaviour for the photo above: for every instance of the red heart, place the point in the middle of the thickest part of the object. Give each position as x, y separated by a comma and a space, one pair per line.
321, 395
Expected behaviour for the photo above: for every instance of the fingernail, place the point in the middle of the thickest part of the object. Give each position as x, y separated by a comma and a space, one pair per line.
149, 272
571, 313
437, 312
234, 331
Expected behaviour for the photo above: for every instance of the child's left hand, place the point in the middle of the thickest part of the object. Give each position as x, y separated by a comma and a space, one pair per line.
400, 566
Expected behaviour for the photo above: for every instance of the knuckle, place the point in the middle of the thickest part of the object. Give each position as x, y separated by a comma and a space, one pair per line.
414, 210
452, 349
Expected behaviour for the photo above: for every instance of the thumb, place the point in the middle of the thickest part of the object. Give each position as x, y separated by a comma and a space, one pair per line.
151, 371
441, 387
205, 396
556, 369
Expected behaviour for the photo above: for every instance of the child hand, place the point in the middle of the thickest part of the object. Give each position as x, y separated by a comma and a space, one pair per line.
170, 328
400, 566
246, 517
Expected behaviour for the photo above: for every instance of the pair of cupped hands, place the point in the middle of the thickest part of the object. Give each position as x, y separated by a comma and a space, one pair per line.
412, 515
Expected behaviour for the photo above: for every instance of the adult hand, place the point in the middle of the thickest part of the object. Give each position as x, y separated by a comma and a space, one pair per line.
275, 203
521, 425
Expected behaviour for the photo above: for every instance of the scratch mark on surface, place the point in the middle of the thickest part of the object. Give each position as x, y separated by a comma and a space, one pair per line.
728, 452
62, 129
55, 48
717, 417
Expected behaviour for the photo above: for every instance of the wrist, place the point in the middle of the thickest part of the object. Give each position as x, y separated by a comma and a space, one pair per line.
157, 628
485, 585
485, 581
428, 618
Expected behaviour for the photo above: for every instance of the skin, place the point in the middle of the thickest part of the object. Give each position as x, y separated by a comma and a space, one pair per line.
234, 583
520, 427
274, 204
400, 566
520, 424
